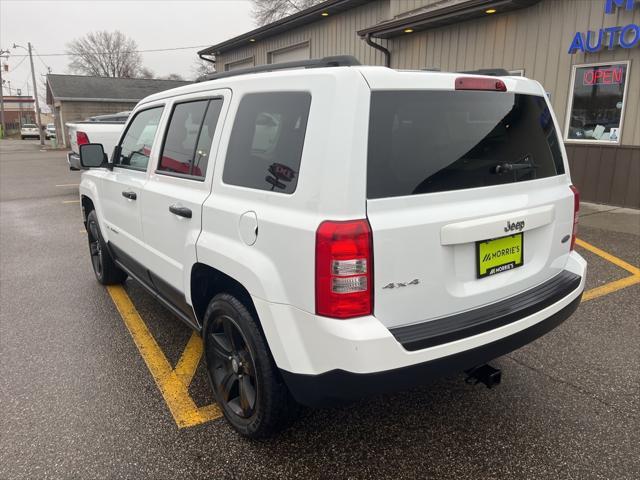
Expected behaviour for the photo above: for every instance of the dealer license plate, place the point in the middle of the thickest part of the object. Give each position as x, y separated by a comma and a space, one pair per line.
499, 254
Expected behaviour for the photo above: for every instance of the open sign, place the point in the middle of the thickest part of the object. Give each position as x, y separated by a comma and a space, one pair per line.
603, 76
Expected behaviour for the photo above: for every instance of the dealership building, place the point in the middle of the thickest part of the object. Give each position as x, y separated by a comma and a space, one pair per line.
586, 54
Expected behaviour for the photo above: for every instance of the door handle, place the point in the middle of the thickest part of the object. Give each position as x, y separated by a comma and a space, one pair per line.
180, 211
130, 195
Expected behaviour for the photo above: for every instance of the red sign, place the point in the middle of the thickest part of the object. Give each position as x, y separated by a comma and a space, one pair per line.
603, 76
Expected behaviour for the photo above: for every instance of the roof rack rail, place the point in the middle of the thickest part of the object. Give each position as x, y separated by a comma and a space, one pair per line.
335, 61
492, 72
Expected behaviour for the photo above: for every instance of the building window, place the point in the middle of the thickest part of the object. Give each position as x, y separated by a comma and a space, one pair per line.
292, 53
238, 64
596, 102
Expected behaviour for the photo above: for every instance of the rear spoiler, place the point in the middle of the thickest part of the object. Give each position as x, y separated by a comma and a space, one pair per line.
491, 72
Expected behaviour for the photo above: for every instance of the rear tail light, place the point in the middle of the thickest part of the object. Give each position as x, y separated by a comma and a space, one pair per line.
478, 83
576, 210
344, 265
82, 138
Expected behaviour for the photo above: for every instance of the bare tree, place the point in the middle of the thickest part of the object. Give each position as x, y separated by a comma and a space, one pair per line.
105, 54
144, 72
269, 11
173, 76
202, 67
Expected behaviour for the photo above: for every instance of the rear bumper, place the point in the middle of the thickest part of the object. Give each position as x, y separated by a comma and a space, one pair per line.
339, 386
325, 361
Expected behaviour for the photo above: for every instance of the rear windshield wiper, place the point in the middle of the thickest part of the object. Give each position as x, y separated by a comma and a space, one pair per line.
510, 167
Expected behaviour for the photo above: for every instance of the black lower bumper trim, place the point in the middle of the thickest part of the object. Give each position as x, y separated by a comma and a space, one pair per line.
462, 325
338, 386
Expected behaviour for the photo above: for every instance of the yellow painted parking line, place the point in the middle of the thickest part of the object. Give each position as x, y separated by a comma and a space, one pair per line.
616, 284
71, 201
610, 258
174, 391
190, 359
610, 287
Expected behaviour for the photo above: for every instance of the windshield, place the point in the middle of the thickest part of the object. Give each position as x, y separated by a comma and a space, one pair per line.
434, 141
28, 125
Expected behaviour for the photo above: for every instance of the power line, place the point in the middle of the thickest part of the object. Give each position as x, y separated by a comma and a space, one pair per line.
107, 53
42, 61
24, 57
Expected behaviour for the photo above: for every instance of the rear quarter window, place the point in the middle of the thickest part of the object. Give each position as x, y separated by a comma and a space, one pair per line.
434, 141
265, 148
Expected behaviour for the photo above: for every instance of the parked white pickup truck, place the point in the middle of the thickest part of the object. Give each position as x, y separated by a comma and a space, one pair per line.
103, 129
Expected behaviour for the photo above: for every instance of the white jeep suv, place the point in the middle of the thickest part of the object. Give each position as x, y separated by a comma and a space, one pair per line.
341, 230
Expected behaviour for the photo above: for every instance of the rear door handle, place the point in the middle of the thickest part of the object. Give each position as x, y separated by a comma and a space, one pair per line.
180, 211
130, 195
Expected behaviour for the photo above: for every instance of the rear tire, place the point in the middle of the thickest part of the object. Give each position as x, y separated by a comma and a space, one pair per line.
105, 269
243, 376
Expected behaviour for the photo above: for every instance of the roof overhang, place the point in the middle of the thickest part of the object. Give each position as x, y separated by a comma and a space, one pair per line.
437, 16
83, 99
305, 17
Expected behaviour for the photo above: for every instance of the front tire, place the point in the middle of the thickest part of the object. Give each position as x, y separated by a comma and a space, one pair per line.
243, 376
105, 269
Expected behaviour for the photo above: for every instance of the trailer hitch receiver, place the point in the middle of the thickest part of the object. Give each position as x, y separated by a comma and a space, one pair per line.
485, 374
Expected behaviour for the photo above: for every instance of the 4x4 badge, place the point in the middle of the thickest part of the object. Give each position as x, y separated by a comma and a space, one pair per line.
415, 281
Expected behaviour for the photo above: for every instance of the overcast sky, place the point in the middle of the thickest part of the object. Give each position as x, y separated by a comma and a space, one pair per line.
49, 25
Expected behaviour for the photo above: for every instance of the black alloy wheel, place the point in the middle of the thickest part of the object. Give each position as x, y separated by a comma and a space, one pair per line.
106, 270
95, 249
232, 367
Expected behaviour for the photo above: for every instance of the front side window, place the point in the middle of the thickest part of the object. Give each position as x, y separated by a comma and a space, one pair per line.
189, 136
597, 98
266, 142
135, 147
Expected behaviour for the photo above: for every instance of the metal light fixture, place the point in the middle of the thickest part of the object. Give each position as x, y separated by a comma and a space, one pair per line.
408, 30
490, 11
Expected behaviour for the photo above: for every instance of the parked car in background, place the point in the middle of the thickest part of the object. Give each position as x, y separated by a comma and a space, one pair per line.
362, 232
103, 129
29, 130
50, 132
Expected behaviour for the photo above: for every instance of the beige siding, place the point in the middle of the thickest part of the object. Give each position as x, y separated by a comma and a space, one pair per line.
535, 39
335, 35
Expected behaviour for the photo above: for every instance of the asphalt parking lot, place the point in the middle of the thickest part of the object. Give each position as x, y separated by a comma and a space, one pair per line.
101, 383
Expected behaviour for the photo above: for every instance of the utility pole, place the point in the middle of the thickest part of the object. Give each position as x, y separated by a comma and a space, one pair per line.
35, 95
35, 90
3, 128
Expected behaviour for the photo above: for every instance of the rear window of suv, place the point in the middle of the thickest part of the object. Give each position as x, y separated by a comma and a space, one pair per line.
266, 142
435, 141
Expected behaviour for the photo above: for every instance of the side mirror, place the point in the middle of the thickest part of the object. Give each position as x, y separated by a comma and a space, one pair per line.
92, 155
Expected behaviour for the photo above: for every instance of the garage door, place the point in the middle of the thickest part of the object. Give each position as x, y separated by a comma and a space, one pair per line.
291, 54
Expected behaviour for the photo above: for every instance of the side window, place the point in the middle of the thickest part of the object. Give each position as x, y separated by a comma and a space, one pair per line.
266, 142
135, 147
189, 136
